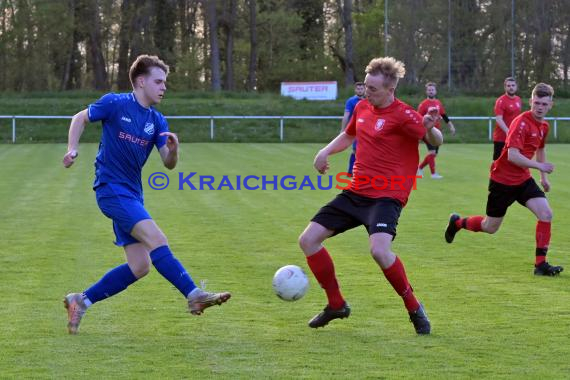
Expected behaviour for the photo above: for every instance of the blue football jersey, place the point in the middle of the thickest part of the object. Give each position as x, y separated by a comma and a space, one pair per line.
350, 104
129, 133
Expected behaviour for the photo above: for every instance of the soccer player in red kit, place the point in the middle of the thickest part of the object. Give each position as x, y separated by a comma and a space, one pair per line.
507, 107
387, 158
431, 101
511, 180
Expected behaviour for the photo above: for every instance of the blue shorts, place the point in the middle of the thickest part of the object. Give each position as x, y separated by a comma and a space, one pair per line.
124, 207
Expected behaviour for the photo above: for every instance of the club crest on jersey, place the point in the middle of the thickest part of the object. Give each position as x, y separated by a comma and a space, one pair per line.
149, 128
379, 124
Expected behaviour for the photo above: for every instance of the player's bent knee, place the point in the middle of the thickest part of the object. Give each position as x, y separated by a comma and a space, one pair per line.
306, 242
160, 240
381, 252
383, 257
141, 270
545, 215
156, 240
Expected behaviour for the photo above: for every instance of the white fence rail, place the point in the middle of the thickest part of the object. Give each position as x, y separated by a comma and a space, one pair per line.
490, 121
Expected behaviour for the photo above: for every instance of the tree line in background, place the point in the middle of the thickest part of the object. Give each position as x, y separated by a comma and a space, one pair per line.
256, 44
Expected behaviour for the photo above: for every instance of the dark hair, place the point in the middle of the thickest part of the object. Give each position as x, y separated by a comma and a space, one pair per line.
543, 90
358, 84
430, 84
143, 64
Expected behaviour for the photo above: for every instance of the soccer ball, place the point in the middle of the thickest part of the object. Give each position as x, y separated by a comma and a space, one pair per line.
290, 283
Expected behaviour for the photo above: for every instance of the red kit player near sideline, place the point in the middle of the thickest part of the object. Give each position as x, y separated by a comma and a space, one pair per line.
431, 101
388, 131
507, 107
511, 180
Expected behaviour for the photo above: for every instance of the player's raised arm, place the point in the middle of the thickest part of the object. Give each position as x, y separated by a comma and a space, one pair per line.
340, 143
76, 128
169, 152
449, 123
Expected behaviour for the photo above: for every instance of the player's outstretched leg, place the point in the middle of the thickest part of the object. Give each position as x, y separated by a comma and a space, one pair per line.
452, 228
328, 314
114, 281
322, 266
198, 300
470, 223
75, 310
172, 270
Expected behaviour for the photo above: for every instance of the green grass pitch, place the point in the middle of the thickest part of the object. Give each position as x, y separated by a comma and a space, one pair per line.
491, 318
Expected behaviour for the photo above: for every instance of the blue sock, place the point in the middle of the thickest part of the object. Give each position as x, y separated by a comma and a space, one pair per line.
171, 269
351, 162
113, 282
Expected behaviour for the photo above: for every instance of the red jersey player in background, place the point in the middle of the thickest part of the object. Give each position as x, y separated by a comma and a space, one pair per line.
507, 107
511, 180
387, 158
431, 101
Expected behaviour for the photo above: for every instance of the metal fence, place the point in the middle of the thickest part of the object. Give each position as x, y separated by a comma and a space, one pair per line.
281, 119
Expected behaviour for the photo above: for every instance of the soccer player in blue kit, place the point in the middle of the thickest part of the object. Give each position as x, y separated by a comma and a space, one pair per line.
359, 91
131, 127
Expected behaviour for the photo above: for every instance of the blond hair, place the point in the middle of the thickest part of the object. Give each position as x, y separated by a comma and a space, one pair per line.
542, 90
509, 79
391, 69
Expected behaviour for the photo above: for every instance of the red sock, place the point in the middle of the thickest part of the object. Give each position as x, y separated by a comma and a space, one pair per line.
471, 223
322, 266
396, 275
425, 161
542, 241
431, 163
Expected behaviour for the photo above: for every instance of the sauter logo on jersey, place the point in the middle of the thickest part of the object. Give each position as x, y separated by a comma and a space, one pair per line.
379, 124
133, 139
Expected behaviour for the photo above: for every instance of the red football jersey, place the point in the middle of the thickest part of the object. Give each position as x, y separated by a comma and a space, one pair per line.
426, 104
528, 135
387, 151
509, 108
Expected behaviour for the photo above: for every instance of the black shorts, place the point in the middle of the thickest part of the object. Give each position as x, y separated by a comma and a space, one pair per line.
431, 147
497, 149
349, 210
501, 197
